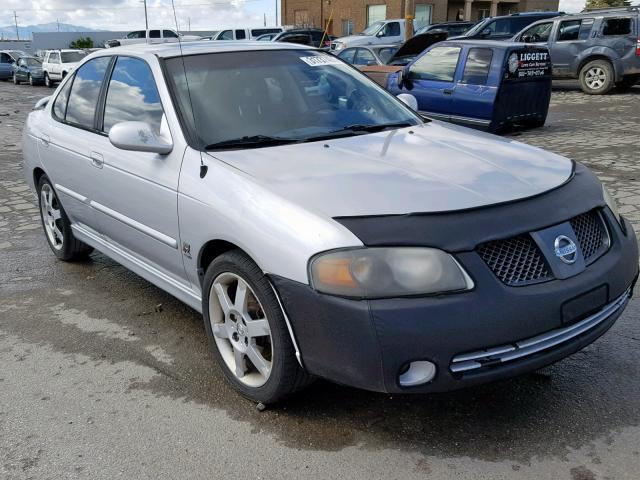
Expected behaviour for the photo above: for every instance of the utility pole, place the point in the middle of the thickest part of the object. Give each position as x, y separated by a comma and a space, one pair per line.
276, 13
409, 11
146, 20
15, 19
58, 22
189, 22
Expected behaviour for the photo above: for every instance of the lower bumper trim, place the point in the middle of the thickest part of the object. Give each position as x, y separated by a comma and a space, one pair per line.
523, 348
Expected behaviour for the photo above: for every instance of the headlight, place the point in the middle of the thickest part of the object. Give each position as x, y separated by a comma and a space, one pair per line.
387, 272
611, 203
339, 45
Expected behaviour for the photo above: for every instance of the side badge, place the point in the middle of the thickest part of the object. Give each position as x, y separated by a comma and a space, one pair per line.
186, 249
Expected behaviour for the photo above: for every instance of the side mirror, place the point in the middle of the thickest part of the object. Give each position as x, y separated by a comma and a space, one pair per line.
486, 32
409, 100
42, 103
404, 80
138, 137
380, 33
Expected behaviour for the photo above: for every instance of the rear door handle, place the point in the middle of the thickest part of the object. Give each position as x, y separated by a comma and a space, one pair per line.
45, 140
447, 91
97, 160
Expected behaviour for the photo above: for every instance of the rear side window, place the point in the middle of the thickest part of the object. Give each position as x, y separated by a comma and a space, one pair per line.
364, 57
83, 99
132, 95
437, 64
569, 30
616, 26
154, 33
347, 55
385, 54
60, 103
240, 35
476, 70
5, 58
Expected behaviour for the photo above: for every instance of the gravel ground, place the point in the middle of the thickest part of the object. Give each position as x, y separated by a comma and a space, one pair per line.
103, 375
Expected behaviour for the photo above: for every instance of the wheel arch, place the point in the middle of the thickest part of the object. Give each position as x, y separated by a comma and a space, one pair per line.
212, 250
599, 56
37, 175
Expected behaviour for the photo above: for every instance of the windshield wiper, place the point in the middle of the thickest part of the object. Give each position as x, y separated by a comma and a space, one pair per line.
356, 129
251, 141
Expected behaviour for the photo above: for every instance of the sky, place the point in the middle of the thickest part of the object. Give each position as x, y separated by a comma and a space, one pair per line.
129, 14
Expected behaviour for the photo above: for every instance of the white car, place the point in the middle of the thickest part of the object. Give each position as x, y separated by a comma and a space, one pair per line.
321, 226
384, 31
57, 64
151, 36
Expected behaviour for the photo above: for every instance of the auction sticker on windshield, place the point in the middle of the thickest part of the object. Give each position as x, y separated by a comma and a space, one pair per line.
321, 60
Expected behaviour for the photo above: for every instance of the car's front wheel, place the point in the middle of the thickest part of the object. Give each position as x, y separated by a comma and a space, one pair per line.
56, 225
30, 78
247, 332
15, 80
596, 77
47, 81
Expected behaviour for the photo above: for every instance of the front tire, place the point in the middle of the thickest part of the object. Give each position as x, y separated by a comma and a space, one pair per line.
56, 225
15, 80
30, 78
597, 77
47, 81
247, 332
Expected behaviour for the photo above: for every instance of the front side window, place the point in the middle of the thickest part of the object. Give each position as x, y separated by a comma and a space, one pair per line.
226, 35
5, 58
154, 33
372, 29
132, 95
364, 57
569, 30
386, 53
137, 34
537, 33
616, 26
85, 90
476, 69
72, 57
437, 64
391, 29
348, 55
169, 34
287, 96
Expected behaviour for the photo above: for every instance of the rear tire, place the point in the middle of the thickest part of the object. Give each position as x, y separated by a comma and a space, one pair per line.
597, 77
242, 326
56, 225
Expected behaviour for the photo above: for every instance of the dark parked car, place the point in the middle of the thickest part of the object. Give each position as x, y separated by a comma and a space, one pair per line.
28, 69
601, 48
6, 65
489, 84
309, 36
503, 28
452, 28
368, 55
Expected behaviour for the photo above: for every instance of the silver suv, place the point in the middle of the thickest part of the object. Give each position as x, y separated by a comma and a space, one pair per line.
601, 48
321, 226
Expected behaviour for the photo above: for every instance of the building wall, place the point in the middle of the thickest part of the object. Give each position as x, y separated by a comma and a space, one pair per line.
24, 45
316, 13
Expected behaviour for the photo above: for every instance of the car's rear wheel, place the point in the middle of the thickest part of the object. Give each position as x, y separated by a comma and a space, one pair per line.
56, 225
247, 332
596, 77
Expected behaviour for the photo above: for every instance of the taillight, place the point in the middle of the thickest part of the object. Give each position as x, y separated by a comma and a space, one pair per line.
638, 48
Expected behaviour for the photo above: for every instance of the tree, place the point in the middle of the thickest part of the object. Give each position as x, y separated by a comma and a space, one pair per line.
82, 43
591, 4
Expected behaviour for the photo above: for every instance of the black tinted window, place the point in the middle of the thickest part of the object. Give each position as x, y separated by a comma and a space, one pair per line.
60, 103
169, 34
226, 35
5, 58
83, 98
476, 70
392, 29
154, 33
569, 30
347, 55
132, 95
616, 26
240, 35
437, 64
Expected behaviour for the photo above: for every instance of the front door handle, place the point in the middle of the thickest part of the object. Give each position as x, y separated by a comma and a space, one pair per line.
447, 91
97, 160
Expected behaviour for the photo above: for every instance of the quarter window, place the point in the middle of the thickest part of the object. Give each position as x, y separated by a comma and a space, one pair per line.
132, 95
437, 64
476, 70
60, 103
83, 99
616, 26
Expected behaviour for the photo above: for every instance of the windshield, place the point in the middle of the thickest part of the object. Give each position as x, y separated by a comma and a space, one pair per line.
292, 95
373, 28
33, 62
72, 57
477, 28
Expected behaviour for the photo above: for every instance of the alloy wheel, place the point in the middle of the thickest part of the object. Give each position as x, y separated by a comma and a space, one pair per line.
595, 78
51, 216
30, 80
15, 79
241, 329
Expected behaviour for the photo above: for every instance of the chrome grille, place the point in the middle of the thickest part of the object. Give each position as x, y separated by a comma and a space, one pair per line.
591, 235
515, 261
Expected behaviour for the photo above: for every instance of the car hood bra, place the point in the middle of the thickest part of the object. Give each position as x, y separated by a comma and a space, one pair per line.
434, 167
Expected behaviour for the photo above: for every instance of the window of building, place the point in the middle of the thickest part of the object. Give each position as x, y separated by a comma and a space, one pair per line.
476, 70
437, 64
483, 13
422, 16
616, 26
376, 13
301, 18
83, 99
347, 27
132, 95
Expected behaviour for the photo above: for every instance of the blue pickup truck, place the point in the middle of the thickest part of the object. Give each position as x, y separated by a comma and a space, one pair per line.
489, 84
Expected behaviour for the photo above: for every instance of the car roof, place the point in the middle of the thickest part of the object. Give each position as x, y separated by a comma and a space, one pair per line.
482, 43
177, 49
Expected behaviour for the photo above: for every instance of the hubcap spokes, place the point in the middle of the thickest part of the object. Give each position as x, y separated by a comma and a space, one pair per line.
595, 78
51, 216
241, 329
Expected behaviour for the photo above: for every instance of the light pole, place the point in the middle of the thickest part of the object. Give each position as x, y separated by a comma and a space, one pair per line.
146, 20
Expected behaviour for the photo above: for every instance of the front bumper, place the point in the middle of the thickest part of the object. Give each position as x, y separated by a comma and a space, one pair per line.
367, 344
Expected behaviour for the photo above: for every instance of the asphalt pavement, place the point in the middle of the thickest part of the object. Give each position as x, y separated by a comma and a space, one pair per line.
103, 375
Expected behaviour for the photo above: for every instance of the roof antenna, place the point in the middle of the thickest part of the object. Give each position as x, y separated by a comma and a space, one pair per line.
203, 167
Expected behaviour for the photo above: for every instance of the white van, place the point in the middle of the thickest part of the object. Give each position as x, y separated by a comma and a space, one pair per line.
246, 33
